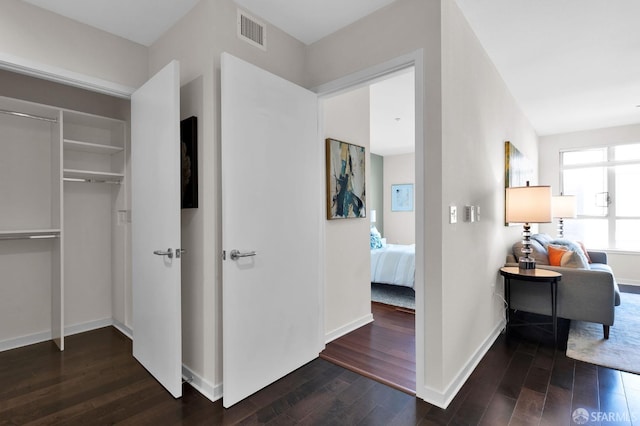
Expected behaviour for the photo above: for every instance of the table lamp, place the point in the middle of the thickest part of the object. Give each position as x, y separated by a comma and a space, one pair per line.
528, 204
563, 206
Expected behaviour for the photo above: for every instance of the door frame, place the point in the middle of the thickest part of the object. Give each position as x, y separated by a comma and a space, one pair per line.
364, 78
63, 76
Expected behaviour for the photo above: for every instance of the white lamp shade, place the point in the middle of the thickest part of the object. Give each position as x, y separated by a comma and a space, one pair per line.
528, 204
564, 206
373, 216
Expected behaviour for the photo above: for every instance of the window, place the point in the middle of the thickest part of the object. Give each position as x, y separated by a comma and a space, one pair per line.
606, 182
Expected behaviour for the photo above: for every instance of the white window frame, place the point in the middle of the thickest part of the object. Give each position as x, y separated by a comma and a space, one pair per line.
609, 165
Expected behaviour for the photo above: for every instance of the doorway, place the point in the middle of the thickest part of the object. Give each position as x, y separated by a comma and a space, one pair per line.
390, 137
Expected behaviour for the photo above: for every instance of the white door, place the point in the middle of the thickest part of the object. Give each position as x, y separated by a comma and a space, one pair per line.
155, 208
271, 207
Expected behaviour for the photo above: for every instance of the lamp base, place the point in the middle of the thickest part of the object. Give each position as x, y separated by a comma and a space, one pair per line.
526, 263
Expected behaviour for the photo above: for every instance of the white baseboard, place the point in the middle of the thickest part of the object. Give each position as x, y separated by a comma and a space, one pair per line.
30, 339
70, 330
123, 329
87, 326
443, 399
208, 390
348, 328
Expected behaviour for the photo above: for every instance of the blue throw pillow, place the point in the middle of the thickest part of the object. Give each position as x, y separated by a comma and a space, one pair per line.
376, 239
376, 242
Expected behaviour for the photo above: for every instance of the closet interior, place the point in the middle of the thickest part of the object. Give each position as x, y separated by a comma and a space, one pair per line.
64, 223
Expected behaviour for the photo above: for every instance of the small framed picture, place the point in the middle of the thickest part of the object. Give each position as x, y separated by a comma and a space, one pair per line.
402, 197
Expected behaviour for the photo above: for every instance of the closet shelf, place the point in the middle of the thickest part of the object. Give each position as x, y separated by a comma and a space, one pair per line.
92, 175
95, 148
29, 233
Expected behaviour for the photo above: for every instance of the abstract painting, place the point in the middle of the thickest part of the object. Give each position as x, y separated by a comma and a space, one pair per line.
189, 162
517, 169
345, 180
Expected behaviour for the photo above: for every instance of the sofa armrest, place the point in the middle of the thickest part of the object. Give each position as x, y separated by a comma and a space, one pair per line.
598, 256
586, 295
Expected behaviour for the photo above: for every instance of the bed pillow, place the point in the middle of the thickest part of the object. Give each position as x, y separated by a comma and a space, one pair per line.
376, 240
555, 254
571, 259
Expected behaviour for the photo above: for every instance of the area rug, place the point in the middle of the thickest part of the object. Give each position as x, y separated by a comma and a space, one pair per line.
622, 350
404, 297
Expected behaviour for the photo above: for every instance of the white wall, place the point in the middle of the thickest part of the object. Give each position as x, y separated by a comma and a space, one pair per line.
197, 41
348, 259
399, 227
624, 264
479, 114
36, 35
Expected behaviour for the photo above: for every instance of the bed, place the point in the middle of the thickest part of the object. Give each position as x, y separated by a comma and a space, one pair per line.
394, 264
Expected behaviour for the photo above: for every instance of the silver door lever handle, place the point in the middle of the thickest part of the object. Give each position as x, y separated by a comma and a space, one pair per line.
236, 254
168, 253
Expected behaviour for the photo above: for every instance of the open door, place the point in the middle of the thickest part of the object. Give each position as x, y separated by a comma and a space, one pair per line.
271, 220
155, 201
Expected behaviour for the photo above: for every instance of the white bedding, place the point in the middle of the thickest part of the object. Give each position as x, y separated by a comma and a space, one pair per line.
394, 264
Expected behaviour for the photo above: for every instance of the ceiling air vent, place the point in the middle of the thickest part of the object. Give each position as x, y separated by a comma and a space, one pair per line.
251, 30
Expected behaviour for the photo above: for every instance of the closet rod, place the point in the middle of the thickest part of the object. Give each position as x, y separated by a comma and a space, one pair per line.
25, 115
28, 237
112, 182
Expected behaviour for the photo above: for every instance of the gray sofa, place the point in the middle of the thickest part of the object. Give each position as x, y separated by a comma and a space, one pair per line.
583, 294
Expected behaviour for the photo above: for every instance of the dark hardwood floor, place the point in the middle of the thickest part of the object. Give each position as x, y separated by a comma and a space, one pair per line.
522, 380
384, 350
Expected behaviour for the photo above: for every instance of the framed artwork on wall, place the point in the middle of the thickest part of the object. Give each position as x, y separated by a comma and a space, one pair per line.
189, 162
517, 169
402, 197
346, 194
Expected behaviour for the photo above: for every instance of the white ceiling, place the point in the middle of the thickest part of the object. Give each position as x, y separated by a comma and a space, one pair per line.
392, 114
570, 64
142, 21
311, 20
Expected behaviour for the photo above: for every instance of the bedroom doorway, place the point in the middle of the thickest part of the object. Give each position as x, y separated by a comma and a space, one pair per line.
392, 183
379, 114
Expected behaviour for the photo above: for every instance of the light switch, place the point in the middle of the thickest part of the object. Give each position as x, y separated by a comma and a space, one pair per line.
470, 213
453, 214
